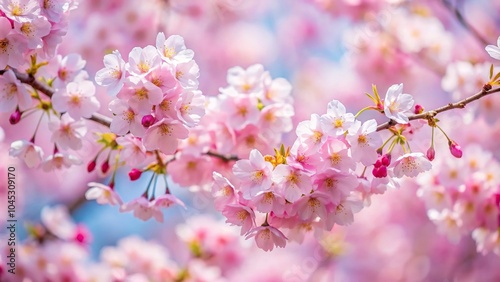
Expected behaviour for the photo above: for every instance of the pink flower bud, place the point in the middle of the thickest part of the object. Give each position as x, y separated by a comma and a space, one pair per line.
378, 163
15, 117
91, 166
431, 154
82, 234
418, 109
105, 167
379, 172
134, 174
386, 159
148, 120
455, 149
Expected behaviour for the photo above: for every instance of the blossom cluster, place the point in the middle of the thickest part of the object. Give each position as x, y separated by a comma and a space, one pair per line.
321, 180
253, 111
31, 28
463, 197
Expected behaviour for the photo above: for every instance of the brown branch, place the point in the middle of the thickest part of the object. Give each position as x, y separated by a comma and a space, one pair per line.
30, 80
430, 114
461, 19
226, 158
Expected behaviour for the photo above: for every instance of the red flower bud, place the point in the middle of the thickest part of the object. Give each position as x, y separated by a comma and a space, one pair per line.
455, 149
15, 117
91, 166
431, 154
148, 120
418, 109
386, 159
134, 174
105, 167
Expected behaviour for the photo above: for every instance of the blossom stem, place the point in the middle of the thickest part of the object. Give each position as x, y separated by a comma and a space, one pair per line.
385, 143
446, 135
36, 129
461, 19
364, 109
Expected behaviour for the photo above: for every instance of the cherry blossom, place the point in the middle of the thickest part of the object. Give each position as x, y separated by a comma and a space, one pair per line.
60, 160
267, 237
142, 60
112, 76
494, 51
126, 118
67, 132
336, 121
77, 98
27, 151
364, 142
172, 49
33, 31
397, 104
411, 165
102, 194
164, 135
13, 93
255, 174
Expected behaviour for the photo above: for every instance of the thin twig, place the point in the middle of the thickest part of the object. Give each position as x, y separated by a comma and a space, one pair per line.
45, 89
430, 114
461, 19
226, 158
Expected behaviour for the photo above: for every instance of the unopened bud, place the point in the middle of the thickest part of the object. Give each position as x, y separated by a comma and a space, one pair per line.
148, 120
134, 174
386, 159
91, 166
431, 154
418, 109
15, 117
105, 167
455, 149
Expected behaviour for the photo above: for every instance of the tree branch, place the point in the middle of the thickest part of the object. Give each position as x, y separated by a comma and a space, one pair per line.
430, 114
30, 80
226, 158
461, 19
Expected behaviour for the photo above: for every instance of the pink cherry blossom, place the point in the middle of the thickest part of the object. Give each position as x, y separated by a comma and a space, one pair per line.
102, 194
191, 107
112, 76
364, 140
311, 206
241, 110
343, 213
77, 98
58, 221
267, 237
60, 160
240, 215
292, 182
27, 151
189, 170
33, 31
411, 165
20, 10
310, 133
67, 133
141, 94
70, 69
222, 191
335, 154
163, 77
141, 208
133, 151
267, 201
161, 202
13, 93
12, 45
337, 120
172, 49
125, 118
397, 104
246, 81
142, 61
334, 183
254, 173
187, 74
164, 136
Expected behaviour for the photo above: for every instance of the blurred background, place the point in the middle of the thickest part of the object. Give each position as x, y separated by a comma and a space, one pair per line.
327, 49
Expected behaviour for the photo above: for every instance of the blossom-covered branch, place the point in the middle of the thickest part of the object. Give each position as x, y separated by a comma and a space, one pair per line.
432, 113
